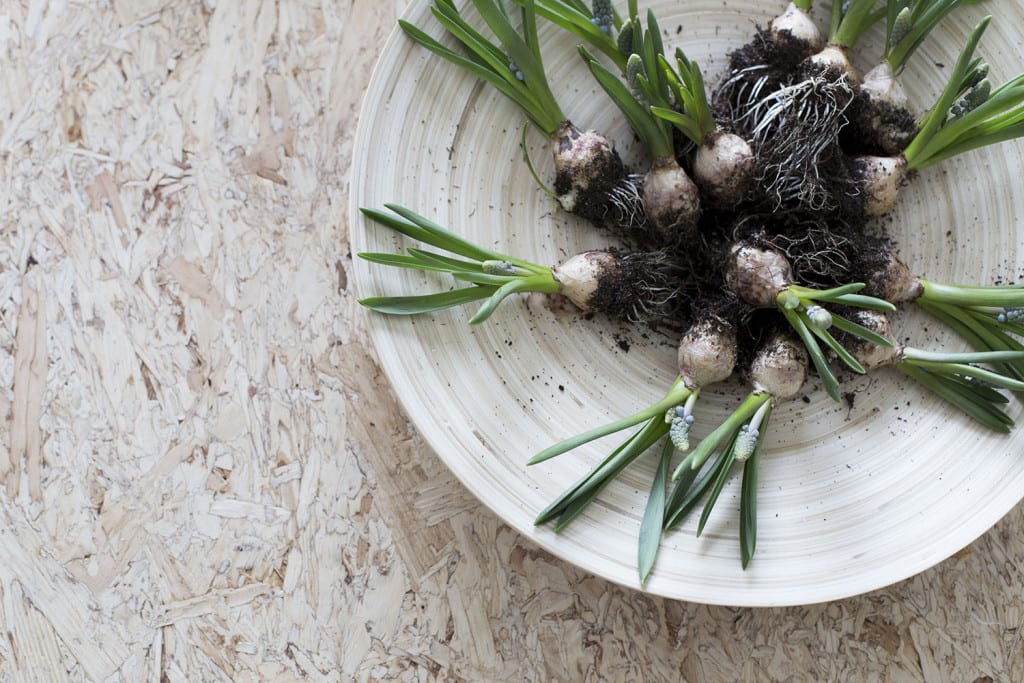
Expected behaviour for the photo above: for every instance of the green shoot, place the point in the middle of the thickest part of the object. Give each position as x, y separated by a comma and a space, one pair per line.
997, 299
988, 318
740, 438
804, 5
908, 23
851, 19
647, 84
653, 133
958, 379
961, 121
722, 434
512, 63
493, 276
803, 310
594, 26
694, 118
575, 499
677, 396
671, 415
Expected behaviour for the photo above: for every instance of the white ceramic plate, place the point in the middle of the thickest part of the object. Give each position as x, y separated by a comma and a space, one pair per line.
850, 498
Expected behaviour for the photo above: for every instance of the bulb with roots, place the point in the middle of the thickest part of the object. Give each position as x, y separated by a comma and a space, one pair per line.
587, 171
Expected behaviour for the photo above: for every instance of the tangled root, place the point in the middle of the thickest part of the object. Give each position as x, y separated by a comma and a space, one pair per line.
737, 96
820, 255
796, 134
644, 288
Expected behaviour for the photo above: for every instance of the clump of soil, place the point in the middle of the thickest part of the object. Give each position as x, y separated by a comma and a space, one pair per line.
877, 127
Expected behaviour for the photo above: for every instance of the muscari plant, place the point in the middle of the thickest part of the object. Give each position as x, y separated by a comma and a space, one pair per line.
845, 321
630, 285
590, 179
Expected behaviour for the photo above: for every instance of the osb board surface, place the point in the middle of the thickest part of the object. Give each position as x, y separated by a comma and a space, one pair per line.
204, 474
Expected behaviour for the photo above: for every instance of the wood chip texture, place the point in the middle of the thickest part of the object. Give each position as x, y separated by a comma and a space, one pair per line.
204, 475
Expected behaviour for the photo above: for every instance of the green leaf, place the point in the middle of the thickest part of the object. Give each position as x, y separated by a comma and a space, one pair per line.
968, 403
518, 49
748, 498
440, 237
710, 443
656, 139
539, 283
683, 498
675, 396
654, 515
856, 330
478, 278
499, 81
867, 302
598, 474
442, 261
575, 500
828, 379
575, 18
937, 116
720, 475
833, 344
980, 392
400, 261
681, 505
427, 303
971, 371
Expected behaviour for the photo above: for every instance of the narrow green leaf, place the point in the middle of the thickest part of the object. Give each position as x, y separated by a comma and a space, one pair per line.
826, 294
445, 239
981, 392
856, 330
478, 278
986, 414
598, 473
971, 371
675, 396
867, 302
654, 515
722, 468
530, 284
833, 344
577, 21
828, 379
937, 116
677, 511
748, 497
675, 508
499, 81
426, 303
580, 502
710, 443
400, 261
575, 502
646, 126
518, 49
442, 261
